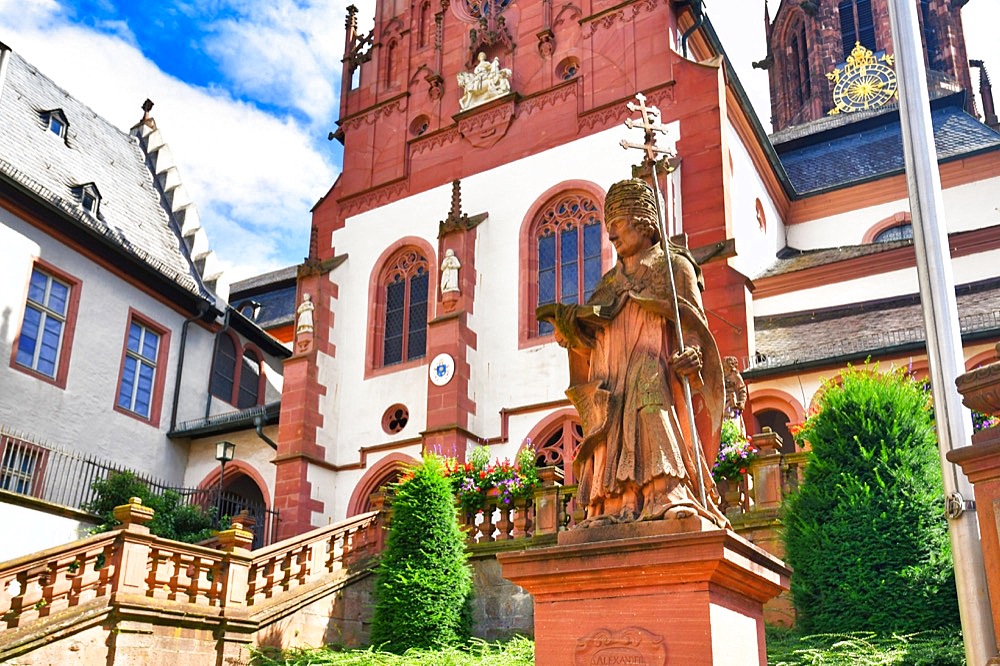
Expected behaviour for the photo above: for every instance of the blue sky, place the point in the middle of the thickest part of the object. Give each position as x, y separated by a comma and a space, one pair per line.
246, 92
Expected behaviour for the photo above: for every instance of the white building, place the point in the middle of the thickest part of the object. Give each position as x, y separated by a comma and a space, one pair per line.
112, 316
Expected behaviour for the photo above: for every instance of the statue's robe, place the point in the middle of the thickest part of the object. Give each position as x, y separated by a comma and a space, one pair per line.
631, 404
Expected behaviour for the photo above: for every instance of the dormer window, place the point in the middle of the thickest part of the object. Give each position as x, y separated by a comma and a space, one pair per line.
90, 198
56, 122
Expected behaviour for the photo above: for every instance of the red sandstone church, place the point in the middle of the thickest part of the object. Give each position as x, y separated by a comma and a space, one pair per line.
805, 234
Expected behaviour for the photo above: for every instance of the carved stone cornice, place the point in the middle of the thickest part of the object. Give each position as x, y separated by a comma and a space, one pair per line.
558, 93
434, 140
606, 19
369, 116
373, 197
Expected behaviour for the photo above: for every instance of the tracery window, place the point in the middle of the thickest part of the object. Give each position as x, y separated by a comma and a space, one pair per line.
403, 307
567, 239
856, 25
556, 447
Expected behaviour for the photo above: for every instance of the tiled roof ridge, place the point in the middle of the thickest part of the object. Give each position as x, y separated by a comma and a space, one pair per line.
73, 210
181, 210
264, 279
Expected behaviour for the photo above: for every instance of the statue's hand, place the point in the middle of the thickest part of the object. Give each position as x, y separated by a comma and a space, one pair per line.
687, 363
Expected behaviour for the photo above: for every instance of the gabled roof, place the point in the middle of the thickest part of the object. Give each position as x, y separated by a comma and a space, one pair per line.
843, 153
132, 218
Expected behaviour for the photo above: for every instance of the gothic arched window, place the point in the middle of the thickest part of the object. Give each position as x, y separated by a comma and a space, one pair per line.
567, 243
250, 376
856, 25
403, 289
224, 367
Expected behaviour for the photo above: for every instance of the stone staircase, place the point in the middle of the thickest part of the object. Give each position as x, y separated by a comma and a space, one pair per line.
128, 597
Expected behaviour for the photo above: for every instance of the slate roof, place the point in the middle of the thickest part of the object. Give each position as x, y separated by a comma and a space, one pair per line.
791, 260
868, 328
873, 147
131, 214
275, 291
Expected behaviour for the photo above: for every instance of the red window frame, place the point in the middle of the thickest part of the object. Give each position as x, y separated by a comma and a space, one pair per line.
69, 324
160, 369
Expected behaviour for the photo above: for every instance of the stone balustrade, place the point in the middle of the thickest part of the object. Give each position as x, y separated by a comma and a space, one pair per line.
131, 566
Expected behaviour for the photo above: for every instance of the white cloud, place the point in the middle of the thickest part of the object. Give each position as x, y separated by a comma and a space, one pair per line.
285, 53
253, 176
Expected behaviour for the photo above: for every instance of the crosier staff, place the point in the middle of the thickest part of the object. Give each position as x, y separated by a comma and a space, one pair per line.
650, 125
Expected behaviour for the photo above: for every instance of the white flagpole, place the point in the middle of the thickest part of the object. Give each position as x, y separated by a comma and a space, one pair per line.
944, 342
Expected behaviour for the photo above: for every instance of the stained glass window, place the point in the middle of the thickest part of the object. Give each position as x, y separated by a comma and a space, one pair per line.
568, 241
405, 286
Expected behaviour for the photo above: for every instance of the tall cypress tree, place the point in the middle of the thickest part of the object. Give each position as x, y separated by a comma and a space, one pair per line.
423, 585
866, 534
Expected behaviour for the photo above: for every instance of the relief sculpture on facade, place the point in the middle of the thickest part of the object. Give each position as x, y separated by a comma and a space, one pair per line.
487, 80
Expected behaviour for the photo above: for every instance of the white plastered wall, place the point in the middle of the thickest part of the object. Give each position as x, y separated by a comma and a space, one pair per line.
966, 207
885, 285
755, 248
82, 416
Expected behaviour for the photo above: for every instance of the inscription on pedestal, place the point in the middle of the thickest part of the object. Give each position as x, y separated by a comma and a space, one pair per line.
633, 646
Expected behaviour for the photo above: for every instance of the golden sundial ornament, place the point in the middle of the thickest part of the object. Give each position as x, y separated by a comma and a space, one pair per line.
865, 82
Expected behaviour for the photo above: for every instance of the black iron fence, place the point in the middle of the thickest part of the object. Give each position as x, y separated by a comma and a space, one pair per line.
66, 478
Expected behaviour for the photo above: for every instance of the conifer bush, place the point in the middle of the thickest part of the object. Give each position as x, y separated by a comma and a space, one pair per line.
423, 585
866, 534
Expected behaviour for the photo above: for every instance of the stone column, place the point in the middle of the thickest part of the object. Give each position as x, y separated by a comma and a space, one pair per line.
980, 391
766, 470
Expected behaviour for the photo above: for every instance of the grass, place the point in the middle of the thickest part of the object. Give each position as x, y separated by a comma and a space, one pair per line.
515, 652
927, 648
784, 648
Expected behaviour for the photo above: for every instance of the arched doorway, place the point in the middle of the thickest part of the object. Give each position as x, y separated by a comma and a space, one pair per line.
777, 421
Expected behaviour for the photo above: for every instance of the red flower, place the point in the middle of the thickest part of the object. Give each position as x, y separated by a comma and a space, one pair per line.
482, 475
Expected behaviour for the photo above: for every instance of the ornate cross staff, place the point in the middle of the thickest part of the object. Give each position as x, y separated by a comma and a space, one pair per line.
650, 124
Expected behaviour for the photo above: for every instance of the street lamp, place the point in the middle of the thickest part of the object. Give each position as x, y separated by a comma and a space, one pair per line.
224, 452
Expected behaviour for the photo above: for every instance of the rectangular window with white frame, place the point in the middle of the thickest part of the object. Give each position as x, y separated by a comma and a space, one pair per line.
140, 383
46, 334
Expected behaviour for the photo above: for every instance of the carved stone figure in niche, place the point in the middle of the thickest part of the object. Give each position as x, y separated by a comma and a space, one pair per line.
736, 389
449, 272
487, 80
304, 315
637, 458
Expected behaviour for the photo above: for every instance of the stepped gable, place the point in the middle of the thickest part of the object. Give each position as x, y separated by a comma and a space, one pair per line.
177, 202
92, 151
830, 153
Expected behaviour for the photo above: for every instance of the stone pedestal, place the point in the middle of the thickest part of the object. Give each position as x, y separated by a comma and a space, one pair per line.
636, 594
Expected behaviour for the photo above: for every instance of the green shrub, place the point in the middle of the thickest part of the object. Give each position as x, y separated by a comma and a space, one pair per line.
866, 534
172, 519
423, 586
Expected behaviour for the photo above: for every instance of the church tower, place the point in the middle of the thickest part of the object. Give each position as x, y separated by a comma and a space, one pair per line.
810, 38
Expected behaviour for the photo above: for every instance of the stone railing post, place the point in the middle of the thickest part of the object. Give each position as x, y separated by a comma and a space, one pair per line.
766, 470
236, 543
133, 556
547, 501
